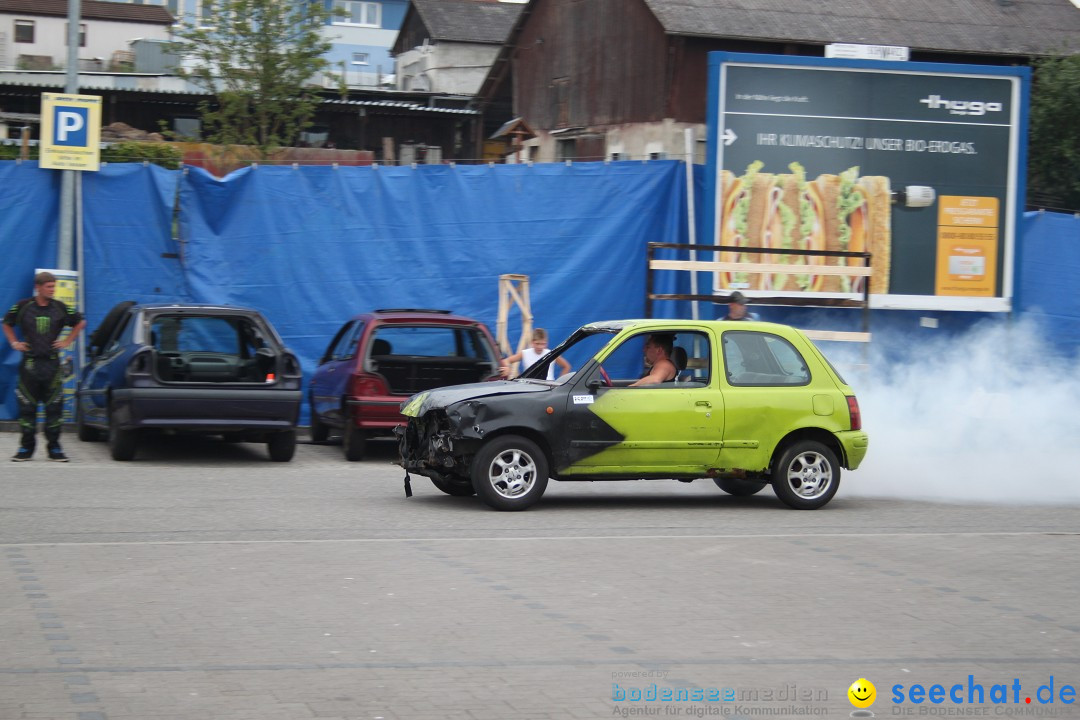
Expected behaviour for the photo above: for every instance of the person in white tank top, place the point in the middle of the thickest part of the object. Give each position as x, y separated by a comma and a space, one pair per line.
531, 355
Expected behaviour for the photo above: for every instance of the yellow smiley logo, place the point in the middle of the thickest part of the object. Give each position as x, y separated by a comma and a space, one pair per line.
862, 693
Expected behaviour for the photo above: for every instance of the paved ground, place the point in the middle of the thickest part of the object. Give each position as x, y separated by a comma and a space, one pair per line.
203, 582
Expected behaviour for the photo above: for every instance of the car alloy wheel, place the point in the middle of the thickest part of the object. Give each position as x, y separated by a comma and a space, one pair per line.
510, 473
807, 475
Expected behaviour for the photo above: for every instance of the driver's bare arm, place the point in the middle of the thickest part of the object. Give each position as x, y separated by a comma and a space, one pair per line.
662, 371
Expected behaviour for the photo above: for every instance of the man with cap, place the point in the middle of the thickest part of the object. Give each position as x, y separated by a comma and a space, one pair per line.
737, 308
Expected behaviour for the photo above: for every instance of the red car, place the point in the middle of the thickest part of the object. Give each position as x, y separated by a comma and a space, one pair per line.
378, 359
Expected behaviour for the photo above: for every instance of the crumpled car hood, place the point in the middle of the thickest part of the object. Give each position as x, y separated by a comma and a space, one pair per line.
422, 402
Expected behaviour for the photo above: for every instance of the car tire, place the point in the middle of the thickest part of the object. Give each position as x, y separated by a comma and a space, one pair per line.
353, 441
510, 473
318, 431
282, 446
739, 488
457, 487
83, 431
807, 475
122, 443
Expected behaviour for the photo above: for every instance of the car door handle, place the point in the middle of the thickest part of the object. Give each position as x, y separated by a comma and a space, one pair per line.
704, 403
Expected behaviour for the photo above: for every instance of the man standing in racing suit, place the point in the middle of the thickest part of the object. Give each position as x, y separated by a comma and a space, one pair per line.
41, 319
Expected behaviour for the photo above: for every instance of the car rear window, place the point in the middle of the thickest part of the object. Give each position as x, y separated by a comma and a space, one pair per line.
431, 341
206, 334
762, 359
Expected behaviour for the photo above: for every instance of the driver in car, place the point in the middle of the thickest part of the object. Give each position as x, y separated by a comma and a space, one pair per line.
658, 356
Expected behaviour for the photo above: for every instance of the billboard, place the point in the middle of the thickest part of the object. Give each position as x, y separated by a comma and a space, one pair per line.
817, 154
70, 131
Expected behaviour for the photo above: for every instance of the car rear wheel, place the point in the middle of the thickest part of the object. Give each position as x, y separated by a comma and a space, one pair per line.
319, 431
121, 442
353, 441
739, 488
83, 431
510, 473
807, 476
282, 446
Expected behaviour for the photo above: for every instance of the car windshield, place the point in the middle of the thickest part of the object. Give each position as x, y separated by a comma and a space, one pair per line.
578, 349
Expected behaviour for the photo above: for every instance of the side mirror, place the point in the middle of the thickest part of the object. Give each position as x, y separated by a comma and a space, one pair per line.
594, 384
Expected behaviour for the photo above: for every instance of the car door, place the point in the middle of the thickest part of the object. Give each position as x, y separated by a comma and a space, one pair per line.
331, 377
100, 373
768, 391
673, 428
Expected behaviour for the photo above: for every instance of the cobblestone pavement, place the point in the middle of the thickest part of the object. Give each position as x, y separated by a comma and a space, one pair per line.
203, 582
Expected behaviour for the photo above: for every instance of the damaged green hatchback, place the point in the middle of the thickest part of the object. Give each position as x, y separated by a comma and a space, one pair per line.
747, 404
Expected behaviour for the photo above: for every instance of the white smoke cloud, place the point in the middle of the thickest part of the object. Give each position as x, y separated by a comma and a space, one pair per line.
991, 416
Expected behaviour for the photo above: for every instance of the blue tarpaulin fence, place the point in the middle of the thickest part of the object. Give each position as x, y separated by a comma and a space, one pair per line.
312, 246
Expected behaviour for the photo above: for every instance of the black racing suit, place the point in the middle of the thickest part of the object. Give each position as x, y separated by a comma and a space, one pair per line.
40, 379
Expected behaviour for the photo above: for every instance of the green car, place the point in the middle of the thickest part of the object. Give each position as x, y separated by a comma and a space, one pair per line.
747, 404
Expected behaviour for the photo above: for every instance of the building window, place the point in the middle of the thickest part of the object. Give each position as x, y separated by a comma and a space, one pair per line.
82, 34
187, 128
355, 12
24, 31
204, 13
359, 58
565, 149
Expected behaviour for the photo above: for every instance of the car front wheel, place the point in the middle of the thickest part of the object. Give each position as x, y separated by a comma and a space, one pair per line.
807, 476
319, 431
510, 473
455, 486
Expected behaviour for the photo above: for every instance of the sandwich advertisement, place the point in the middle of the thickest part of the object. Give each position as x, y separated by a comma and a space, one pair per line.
827, 155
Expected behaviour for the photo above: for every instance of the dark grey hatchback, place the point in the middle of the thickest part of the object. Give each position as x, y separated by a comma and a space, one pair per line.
189, 368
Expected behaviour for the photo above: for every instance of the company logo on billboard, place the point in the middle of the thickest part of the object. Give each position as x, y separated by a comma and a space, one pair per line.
961, 107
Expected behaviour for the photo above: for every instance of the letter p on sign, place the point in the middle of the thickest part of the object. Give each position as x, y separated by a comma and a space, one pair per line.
69, 126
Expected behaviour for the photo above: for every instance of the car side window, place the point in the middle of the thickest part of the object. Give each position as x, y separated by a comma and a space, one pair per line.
690, 355
122, 330
760, 359
474, 346
345, 347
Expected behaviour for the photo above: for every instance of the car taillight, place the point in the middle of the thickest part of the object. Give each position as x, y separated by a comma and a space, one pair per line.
363, 384
853, 409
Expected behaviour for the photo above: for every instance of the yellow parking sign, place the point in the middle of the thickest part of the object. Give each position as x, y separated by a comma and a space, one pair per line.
70, 131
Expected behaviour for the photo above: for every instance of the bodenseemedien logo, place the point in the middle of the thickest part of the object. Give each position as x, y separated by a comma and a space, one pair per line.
862, 694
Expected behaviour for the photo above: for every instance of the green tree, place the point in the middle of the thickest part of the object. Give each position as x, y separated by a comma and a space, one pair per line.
258, 59
1054, 147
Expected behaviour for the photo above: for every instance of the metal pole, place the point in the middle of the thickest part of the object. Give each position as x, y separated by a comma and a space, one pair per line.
65, 246
691, 223
80, 351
